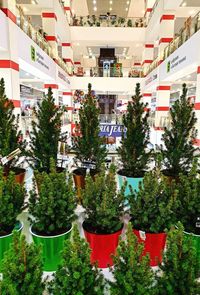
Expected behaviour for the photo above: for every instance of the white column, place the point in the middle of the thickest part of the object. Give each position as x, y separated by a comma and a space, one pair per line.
147, 99
162, 104
197, 107
68, 9
49, 25
148, 55
149, 6
9, 62
67, 55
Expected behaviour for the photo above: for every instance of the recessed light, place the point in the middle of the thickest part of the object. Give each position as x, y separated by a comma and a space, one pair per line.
110, 8
128, 2
126, 8
94, 1
111, 2
184, 4
191, 12
95, 8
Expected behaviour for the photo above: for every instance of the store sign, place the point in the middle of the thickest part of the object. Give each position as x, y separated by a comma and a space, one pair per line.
38, 57
111, 130
175, 62
151, 79
25, 90
63, 77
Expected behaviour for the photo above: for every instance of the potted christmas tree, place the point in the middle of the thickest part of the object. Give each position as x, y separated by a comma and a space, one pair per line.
22, 269
52, 213
188, 211
178, 150
152, 211
132, 273
12, 196
10, 136
45, 135
75, 274
180, 268
104, 207
88, 146
133, 150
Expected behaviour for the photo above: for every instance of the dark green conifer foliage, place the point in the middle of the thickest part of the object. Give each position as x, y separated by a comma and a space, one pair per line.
22, 269
10, 136
76, 275
180, 268
132, 272
132, 152
45, 134
89, 146
178, 150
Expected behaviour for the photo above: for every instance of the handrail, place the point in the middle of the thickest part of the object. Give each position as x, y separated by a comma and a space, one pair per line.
97, 21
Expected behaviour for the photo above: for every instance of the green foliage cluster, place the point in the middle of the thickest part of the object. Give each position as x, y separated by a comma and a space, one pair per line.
22, 269
10, 136
133, 150
53, 209
12, 196
103, 204
188, 198
89, 146
132, 273
153, 207
76, 275
46, 133
180, 268
178, 150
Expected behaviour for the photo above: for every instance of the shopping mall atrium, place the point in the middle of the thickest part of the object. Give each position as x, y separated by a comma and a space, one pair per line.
99, 147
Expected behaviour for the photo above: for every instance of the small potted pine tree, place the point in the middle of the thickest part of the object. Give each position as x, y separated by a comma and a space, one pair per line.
178, 140
132, 273
75, 274
104, 208
188, 211
45, 135
88, 145
12, 196
52, 214
10, 136
152, 211
180, 268
133, 150
22, 268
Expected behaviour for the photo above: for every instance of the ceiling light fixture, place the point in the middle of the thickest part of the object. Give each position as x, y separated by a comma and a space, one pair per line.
126, 8
111, 2
128, 2
110, 8
95, 8
183, 4
94, 1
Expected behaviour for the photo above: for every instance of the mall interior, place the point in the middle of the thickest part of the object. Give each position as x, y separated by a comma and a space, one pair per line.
100, 109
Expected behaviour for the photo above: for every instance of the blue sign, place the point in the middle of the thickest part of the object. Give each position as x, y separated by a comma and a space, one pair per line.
111, 130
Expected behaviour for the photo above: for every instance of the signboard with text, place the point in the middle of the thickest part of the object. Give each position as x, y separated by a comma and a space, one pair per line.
111, 130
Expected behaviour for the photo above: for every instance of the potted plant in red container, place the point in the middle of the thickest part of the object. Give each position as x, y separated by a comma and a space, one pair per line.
178, 149
88, 145
180, 270
52, 214
10, 136
152, 211
12, 196
132, 273
135, 139
104, 207
75, 274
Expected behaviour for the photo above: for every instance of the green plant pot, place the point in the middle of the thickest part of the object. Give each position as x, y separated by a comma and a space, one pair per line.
52, 247
5, 241
195, 240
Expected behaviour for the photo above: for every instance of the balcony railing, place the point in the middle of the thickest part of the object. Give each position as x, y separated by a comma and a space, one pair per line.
24, 23
192, 26
98, 21
110, 72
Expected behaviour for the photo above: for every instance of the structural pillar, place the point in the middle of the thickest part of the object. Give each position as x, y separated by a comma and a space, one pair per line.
162, 105
67, 55
149, 7
148, 56
9, 63
147, 99
49, 25
166, 34
68, 9
197, 108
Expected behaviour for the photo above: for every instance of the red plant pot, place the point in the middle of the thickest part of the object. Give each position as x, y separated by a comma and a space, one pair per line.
103, 246
154, 245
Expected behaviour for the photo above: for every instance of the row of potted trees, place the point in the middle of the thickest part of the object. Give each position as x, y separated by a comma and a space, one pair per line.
22, 269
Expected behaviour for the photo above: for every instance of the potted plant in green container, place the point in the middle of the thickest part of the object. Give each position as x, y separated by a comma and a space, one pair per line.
135, 139
152, 211
132, 273
22, 269
12, 196
178, 141
52, 213
88, 146
104, 208
180, 268
10, 136
188, 211
45, 135
75, 274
